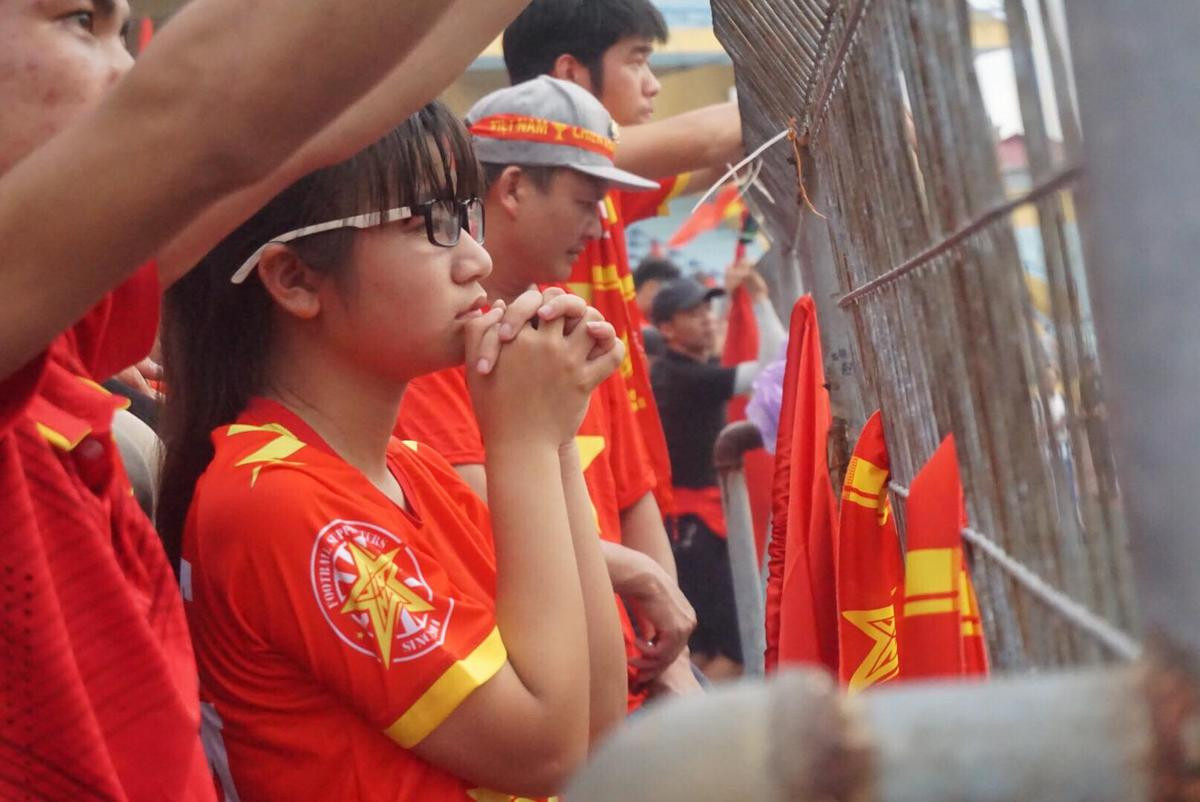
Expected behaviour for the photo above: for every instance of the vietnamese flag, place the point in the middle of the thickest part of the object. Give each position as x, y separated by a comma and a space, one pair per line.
725, 206
801, 614
939, 631
869, 567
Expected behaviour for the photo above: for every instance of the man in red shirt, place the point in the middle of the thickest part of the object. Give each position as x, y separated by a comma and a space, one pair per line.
547, 150
605, 47
97, 680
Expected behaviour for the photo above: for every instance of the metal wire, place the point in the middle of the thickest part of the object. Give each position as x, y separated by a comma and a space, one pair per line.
1120, 643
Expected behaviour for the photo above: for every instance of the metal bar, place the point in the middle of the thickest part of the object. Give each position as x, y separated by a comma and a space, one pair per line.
731, 446
1078, 614
817, 110
1081, 737
1051, 185
1085, 737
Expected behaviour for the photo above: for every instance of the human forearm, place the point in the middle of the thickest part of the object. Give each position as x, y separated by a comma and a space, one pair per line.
771, 339
707, 137
771, 334
205, 115
606, 646
539, 601
442, 55
642, 530
643, 572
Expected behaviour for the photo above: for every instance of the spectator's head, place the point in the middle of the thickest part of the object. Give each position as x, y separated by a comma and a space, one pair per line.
602, 45
649, 278
547, 148
683, 312
362, 274
56, 61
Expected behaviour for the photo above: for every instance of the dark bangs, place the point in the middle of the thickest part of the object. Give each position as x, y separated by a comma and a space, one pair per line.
216, 335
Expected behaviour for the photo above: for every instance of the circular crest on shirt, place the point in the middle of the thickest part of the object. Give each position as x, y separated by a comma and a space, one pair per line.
373, 593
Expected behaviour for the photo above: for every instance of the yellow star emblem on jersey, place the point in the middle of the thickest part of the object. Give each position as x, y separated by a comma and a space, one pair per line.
882, 663
381, 595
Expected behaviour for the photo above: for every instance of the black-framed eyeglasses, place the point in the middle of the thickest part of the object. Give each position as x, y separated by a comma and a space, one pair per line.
445, 220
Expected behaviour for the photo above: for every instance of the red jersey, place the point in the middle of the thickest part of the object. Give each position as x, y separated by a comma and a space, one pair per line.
98, 683
602, 277
326, 617
437, 410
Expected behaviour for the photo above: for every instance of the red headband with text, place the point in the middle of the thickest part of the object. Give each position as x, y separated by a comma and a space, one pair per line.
520, 128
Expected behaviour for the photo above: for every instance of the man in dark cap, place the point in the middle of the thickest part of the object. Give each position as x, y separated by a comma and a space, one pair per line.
693, 389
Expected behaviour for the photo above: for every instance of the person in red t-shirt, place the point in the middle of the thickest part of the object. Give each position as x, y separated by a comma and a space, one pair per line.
97, 677
364, 627
544, 187
605, 47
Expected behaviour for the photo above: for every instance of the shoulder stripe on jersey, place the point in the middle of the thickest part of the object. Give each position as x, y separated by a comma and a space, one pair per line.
449, 691
274, 452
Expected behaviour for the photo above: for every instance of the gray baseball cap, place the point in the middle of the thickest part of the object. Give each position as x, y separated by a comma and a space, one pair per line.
680, 295
549, 123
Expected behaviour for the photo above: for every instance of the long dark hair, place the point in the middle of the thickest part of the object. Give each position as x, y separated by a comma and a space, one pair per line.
216, 335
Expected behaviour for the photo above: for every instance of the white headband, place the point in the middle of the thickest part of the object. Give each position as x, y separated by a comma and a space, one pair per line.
369, 220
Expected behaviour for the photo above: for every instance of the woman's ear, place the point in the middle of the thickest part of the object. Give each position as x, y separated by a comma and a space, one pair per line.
290, 281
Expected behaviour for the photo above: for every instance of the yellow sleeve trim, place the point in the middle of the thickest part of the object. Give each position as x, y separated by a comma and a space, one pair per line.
60, 440
681, 184
449, 691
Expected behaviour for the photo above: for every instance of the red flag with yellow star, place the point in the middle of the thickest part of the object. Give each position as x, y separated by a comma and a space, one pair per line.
869, 566
801, 614
940, 633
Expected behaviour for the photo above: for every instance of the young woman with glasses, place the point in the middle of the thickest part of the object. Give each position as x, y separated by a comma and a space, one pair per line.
365, 627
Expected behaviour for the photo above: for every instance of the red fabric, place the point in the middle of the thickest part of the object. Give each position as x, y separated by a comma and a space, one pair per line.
145, 33
741, 335
741, 345
602, 277
437, 412
633, 471
759, 467
324, 614
705, 504
708, 216
869, 567
97, 677
939, 633
801, 615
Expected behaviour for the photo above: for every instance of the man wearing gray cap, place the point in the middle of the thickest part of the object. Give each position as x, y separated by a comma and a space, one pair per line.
547, 148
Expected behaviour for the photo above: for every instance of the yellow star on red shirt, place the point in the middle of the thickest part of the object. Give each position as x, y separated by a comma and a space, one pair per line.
381, 595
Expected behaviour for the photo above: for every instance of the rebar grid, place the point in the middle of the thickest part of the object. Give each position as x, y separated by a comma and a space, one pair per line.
924, 251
